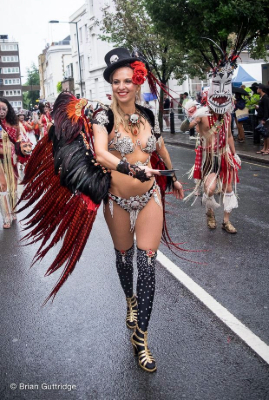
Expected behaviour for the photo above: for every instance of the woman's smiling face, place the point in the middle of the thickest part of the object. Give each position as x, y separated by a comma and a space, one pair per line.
123, 88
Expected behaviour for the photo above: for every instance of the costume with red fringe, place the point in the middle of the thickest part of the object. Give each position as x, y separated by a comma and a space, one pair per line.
213, 154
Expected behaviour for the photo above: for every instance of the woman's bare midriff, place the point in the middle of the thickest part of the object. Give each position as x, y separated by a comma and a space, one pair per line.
126, 186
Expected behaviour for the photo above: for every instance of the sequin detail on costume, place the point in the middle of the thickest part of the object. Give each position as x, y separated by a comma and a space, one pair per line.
102, 118
146, 260
124, 264
124, 145
135, 204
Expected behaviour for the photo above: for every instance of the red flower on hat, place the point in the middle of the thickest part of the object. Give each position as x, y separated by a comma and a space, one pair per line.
140, 72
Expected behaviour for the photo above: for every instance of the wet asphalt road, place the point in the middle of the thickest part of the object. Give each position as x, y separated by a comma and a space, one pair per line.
82, 340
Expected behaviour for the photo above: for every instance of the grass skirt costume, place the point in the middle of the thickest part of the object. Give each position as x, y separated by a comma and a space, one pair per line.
8, 166
213, 155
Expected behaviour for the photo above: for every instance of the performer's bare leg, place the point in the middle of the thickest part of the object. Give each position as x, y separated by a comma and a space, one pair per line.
209, 201
230, 202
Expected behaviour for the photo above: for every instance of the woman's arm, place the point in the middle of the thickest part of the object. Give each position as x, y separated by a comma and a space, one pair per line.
194, 122
103, 156
108, 160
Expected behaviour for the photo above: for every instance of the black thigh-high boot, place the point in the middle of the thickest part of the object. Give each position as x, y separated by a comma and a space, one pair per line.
124, 264
146, 260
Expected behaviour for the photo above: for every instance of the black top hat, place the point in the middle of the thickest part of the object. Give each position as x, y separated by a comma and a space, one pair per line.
117, 58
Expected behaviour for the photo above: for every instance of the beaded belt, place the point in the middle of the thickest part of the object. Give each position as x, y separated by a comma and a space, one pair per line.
134, 204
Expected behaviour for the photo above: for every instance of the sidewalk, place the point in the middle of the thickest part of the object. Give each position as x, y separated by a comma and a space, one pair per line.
246, 151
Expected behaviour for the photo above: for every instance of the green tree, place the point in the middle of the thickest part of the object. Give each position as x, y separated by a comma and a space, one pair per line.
130, 26
59, 87
31, 96
221, 20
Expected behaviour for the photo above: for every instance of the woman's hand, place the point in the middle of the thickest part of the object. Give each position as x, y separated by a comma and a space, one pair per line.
178, 190
149, 171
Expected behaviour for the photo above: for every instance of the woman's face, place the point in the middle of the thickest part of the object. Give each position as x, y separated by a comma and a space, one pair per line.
3, 110
124, 90
26, 148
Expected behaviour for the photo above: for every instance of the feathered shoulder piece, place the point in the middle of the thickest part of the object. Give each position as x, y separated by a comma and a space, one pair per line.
69, 117
67, 185
194, 110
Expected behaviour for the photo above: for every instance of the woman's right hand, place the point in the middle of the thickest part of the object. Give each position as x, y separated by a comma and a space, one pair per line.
149, 171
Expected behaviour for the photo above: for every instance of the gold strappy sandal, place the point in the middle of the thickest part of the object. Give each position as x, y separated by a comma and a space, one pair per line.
131, 318
228, 227
211, 221
140, 345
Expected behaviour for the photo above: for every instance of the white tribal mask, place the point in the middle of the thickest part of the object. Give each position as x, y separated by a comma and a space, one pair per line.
220, 91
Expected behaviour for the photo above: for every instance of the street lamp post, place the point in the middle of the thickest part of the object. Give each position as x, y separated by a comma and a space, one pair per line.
79, 65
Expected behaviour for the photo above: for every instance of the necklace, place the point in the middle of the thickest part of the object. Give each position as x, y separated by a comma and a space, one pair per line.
215, 123
133, 122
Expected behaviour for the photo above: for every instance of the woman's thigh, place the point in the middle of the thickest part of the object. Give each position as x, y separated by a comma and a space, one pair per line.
119, 227
149, 226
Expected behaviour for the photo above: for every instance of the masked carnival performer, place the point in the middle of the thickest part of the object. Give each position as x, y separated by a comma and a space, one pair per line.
118, 169
216, 163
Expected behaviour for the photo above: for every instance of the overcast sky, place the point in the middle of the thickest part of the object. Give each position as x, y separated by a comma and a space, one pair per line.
26, 21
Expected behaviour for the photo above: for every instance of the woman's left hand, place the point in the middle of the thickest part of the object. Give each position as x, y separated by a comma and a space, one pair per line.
178, 190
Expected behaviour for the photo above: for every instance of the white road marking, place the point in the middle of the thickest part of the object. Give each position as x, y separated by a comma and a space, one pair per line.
253, 341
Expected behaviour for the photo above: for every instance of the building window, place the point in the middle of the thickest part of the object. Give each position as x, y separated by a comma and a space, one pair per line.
86, 34
77, 70
11, 70
96, 87
82, 66
16, 103
10, 58
12, 93
12, 81
8, 47
80, 35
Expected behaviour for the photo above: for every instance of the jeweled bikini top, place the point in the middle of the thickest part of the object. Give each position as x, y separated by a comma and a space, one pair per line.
124, 144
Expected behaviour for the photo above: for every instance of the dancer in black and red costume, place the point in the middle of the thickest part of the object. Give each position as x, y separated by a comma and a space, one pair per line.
123, 169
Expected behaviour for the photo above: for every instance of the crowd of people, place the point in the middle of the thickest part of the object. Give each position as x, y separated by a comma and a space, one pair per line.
19, 134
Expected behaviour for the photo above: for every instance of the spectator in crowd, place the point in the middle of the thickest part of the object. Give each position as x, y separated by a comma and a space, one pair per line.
185, 99
263, 115
240, 104
166, 107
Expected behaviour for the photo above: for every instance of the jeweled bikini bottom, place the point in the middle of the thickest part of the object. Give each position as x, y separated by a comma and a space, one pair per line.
135, 204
